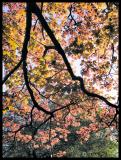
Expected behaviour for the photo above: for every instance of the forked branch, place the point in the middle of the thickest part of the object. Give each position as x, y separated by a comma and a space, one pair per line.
35, 9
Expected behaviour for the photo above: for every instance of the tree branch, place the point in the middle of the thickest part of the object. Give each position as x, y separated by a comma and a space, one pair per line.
36, 129
11, 72
46, 49
63, 107
24, 56
44, 96
35, 9
70, 15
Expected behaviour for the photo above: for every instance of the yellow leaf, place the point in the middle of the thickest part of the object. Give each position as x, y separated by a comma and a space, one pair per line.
32, 79
48, 74
49, 57
79, 41
10, 107
42, 82
102, 6
13, 44
26, 101
4, 111
86, 53
6, 53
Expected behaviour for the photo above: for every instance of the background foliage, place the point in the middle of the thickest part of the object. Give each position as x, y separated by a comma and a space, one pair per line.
60, 79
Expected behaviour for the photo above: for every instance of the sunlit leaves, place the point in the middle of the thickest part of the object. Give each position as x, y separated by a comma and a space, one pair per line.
89, 38
9, 108
101, 6
6, 53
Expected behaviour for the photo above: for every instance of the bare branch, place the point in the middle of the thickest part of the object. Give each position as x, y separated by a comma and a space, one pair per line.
35, 131
12, 71
24, 56
46, 49
70, 15
44, 96
63, 107
35, 9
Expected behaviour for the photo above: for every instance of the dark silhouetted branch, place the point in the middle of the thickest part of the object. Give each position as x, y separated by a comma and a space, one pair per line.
46, 49
35, 9
12, 71
24, 56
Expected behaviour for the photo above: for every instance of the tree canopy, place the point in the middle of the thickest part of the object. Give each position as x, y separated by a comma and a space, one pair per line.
60, 71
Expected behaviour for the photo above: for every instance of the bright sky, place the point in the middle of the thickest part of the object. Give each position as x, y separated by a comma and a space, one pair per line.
5, 9
5, 88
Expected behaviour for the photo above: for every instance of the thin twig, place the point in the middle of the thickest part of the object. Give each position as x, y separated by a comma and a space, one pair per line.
35, 9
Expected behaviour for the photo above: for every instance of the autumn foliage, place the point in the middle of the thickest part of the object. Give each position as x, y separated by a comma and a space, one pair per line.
60, 68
